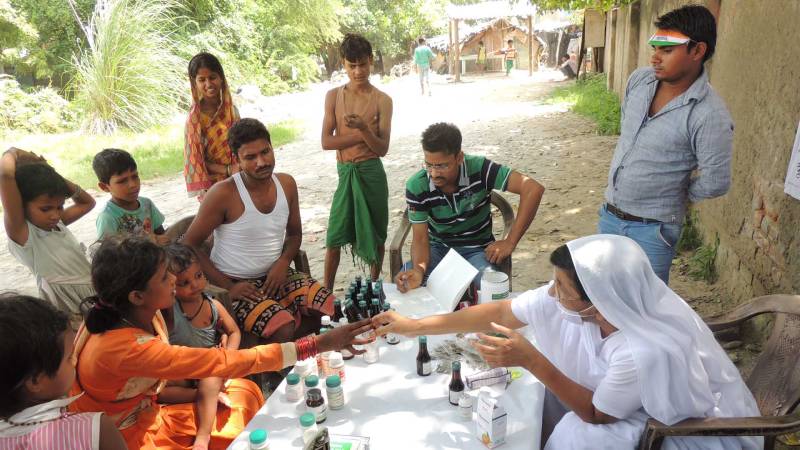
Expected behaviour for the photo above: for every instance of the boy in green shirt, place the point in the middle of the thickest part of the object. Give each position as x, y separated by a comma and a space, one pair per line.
422, 59
126, 212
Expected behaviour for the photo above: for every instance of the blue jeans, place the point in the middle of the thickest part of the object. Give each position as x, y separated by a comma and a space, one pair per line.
475, 256
657, 239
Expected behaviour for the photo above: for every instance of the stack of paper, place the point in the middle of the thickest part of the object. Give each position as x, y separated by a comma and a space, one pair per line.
445, 287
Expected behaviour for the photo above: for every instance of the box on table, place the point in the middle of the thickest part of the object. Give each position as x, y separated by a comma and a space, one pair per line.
343, 442
491, 420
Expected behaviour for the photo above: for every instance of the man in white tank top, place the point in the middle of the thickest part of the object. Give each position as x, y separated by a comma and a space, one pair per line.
255, 218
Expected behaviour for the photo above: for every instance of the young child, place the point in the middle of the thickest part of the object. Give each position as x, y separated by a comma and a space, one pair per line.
510, 55
35, 349
123, 356
33, 197
357, 124
126, 212
196, 320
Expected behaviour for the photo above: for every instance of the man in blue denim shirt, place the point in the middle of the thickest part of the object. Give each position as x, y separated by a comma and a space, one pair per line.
672, 124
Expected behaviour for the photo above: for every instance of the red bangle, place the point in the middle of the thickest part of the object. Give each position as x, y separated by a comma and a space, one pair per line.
306, 348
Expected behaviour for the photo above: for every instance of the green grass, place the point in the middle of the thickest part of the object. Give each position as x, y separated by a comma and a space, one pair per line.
589, 97
158, 152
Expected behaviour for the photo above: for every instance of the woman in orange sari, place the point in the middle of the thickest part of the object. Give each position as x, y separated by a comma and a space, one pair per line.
207, 157
123, 357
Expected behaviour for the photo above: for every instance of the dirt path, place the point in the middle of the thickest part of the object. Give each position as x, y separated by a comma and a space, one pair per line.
501, 118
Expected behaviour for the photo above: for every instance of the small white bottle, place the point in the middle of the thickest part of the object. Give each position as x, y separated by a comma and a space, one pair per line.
333, 387
258, 440
294, 388
308, 425
336, 365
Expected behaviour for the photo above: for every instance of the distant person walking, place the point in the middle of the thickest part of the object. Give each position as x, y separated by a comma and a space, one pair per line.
423, 55
510, 54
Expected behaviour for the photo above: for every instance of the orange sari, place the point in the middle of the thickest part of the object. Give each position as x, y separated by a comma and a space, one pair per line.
121, 371
206, 139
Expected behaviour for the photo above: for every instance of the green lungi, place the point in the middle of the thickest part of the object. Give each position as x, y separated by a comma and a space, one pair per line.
360, 210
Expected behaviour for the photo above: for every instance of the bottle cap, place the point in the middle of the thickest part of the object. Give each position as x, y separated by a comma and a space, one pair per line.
385, 306
326, 320
375, 301
343, 321
293, 379
456, 365
335, 358
423, 339
302, 367
312, 381
323, 330
258, 436
336, 301
362, 303
333, 381
307, 419
465, 401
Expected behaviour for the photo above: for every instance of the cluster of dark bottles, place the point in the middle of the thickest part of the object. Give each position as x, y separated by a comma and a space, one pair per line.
364, 298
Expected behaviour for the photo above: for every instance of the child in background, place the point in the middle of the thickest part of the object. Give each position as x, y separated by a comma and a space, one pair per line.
123, 356
196, 320
33, 197
35, 350
126, 212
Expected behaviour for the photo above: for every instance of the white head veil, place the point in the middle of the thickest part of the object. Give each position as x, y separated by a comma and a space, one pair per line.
683, 371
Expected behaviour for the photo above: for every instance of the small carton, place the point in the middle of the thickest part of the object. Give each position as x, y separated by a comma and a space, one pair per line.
491, 420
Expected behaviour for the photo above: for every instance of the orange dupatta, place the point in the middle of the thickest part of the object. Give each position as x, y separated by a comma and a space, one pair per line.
207, 139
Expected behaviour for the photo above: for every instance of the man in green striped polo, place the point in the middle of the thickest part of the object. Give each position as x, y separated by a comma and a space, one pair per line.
449, 206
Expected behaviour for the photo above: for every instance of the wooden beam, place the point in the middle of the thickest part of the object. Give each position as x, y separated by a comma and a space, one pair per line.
450, 47
457, 65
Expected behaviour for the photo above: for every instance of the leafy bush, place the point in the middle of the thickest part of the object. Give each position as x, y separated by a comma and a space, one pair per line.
690, 236
128, 76
589, 97
702, 263
41, 111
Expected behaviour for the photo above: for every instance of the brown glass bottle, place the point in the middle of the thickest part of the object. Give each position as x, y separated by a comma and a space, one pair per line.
423, 358
456, 384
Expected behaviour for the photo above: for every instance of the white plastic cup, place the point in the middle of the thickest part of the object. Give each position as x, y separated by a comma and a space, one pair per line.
494, 286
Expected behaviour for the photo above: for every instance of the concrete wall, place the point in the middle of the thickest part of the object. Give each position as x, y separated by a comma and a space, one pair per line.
756, 70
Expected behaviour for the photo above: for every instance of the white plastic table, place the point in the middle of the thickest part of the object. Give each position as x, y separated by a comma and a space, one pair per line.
397, 409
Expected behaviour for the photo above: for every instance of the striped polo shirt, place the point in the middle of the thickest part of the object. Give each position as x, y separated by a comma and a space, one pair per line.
463, 218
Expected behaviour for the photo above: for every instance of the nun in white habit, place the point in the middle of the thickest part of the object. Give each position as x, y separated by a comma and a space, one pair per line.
614, 345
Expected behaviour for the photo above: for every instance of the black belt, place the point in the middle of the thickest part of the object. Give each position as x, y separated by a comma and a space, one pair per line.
629, 217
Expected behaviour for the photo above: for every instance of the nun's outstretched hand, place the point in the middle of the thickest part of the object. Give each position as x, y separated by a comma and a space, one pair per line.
514, 350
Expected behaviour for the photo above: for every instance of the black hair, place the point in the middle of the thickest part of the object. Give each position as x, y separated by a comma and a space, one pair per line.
110, 162
480, 42
694, 21
565, 56
31, 344
38, 179
204, 60
510, 41
442, 137
244, 131
119, 267
355, 48
179, 257
562, 259
421, 40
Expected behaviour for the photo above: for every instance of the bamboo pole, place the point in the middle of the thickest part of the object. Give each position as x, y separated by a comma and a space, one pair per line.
530, 46
458, 54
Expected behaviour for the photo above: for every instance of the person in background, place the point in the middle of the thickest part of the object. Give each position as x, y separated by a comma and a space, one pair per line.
423, 55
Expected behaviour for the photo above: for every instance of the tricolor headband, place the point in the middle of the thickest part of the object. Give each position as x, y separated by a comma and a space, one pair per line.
665, 38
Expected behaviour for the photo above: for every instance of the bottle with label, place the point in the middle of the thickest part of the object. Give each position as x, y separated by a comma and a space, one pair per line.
465, 407
363, 310
258, 440
336, 365
423, 358
456, 384
375, 307
308, 426
294, 390
315, 402
322, 358
377, 291
391, 338
333, 387
337, 312
346, 355
325, 323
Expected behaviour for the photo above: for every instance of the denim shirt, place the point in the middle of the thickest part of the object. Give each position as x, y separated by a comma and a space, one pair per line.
651, 170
